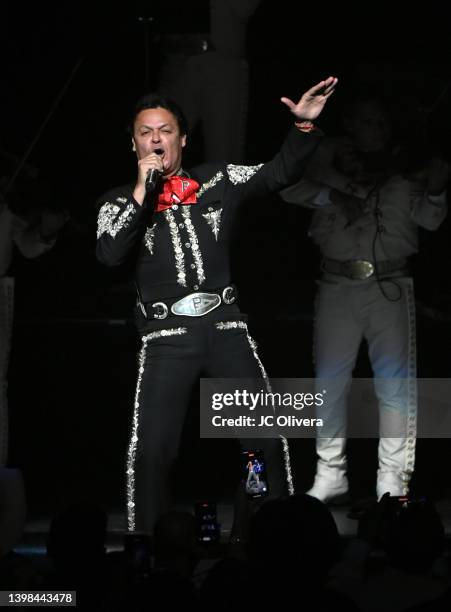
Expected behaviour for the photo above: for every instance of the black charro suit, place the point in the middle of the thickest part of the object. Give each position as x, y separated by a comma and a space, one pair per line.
179, 251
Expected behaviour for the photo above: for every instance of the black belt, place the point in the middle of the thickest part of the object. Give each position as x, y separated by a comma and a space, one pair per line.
361, 269
196, 304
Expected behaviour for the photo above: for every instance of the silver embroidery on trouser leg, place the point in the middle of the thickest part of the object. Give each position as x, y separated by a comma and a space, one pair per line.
197, 255
149, 238
177, 244
131, 454
211, 183
224, 325
6, 324
109, 220
397, 451
411, 393
214, 220
285, 447
241, 174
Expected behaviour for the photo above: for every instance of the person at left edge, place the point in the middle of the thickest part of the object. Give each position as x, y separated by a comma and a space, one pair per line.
179, 235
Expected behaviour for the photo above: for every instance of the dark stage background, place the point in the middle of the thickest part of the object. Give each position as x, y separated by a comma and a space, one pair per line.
73, 363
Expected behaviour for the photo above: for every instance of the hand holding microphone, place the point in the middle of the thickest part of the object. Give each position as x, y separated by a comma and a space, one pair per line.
150, 168
154, 173
151, 179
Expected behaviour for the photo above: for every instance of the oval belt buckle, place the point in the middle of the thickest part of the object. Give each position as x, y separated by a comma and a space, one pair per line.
160, 310
196, 304
361, 269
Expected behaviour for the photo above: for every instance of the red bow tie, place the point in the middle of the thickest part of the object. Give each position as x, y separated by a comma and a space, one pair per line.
177, 190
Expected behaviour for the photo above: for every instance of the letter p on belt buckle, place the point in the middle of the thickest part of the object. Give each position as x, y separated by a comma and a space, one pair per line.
196, 304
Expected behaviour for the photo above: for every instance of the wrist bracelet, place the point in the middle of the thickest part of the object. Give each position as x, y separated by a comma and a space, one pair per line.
305, 126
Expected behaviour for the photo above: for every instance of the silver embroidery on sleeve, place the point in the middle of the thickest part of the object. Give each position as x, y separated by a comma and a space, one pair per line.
149, 238
211, 183
133, 445
110, 221
197, 255
214, 220
224, 325
241, 174
177, 244
121, 200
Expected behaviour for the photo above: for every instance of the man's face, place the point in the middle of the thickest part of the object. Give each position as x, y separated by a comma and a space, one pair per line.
369, 127
156, 130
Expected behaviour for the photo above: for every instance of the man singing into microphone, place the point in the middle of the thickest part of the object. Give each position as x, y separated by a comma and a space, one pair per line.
176, 225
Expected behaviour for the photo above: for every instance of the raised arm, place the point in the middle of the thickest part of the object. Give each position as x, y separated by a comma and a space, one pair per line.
289, 164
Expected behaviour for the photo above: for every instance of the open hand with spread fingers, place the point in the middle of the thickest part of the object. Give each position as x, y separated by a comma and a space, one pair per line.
313, 101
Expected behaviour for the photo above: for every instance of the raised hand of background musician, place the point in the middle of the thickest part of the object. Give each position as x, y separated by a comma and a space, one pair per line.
313, 101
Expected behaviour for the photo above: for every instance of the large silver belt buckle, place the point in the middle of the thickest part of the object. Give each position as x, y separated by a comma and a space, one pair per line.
196, 304
360, 269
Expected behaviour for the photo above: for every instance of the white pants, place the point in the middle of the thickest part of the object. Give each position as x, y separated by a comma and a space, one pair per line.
346, 313
6, 323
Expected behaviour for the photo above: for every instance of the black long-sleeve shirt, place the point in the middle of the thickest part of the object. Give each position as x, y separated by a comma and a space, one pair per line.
187, 247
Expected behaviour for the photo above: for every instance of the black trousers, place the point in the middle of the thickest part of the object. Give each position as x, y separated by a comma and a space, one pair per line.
171, 361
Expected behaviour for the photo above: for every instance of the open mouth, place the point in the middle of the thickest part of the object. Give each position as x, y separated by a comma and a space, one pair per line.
159, 152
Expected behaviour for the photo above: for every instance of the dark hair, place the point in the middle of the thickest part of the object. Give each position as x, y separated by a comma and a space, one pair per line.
156, 100
297, 534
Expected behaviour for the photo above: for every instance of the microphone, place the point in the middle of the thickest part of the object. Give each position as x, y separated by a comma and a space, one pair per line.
151, 180
153, 175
